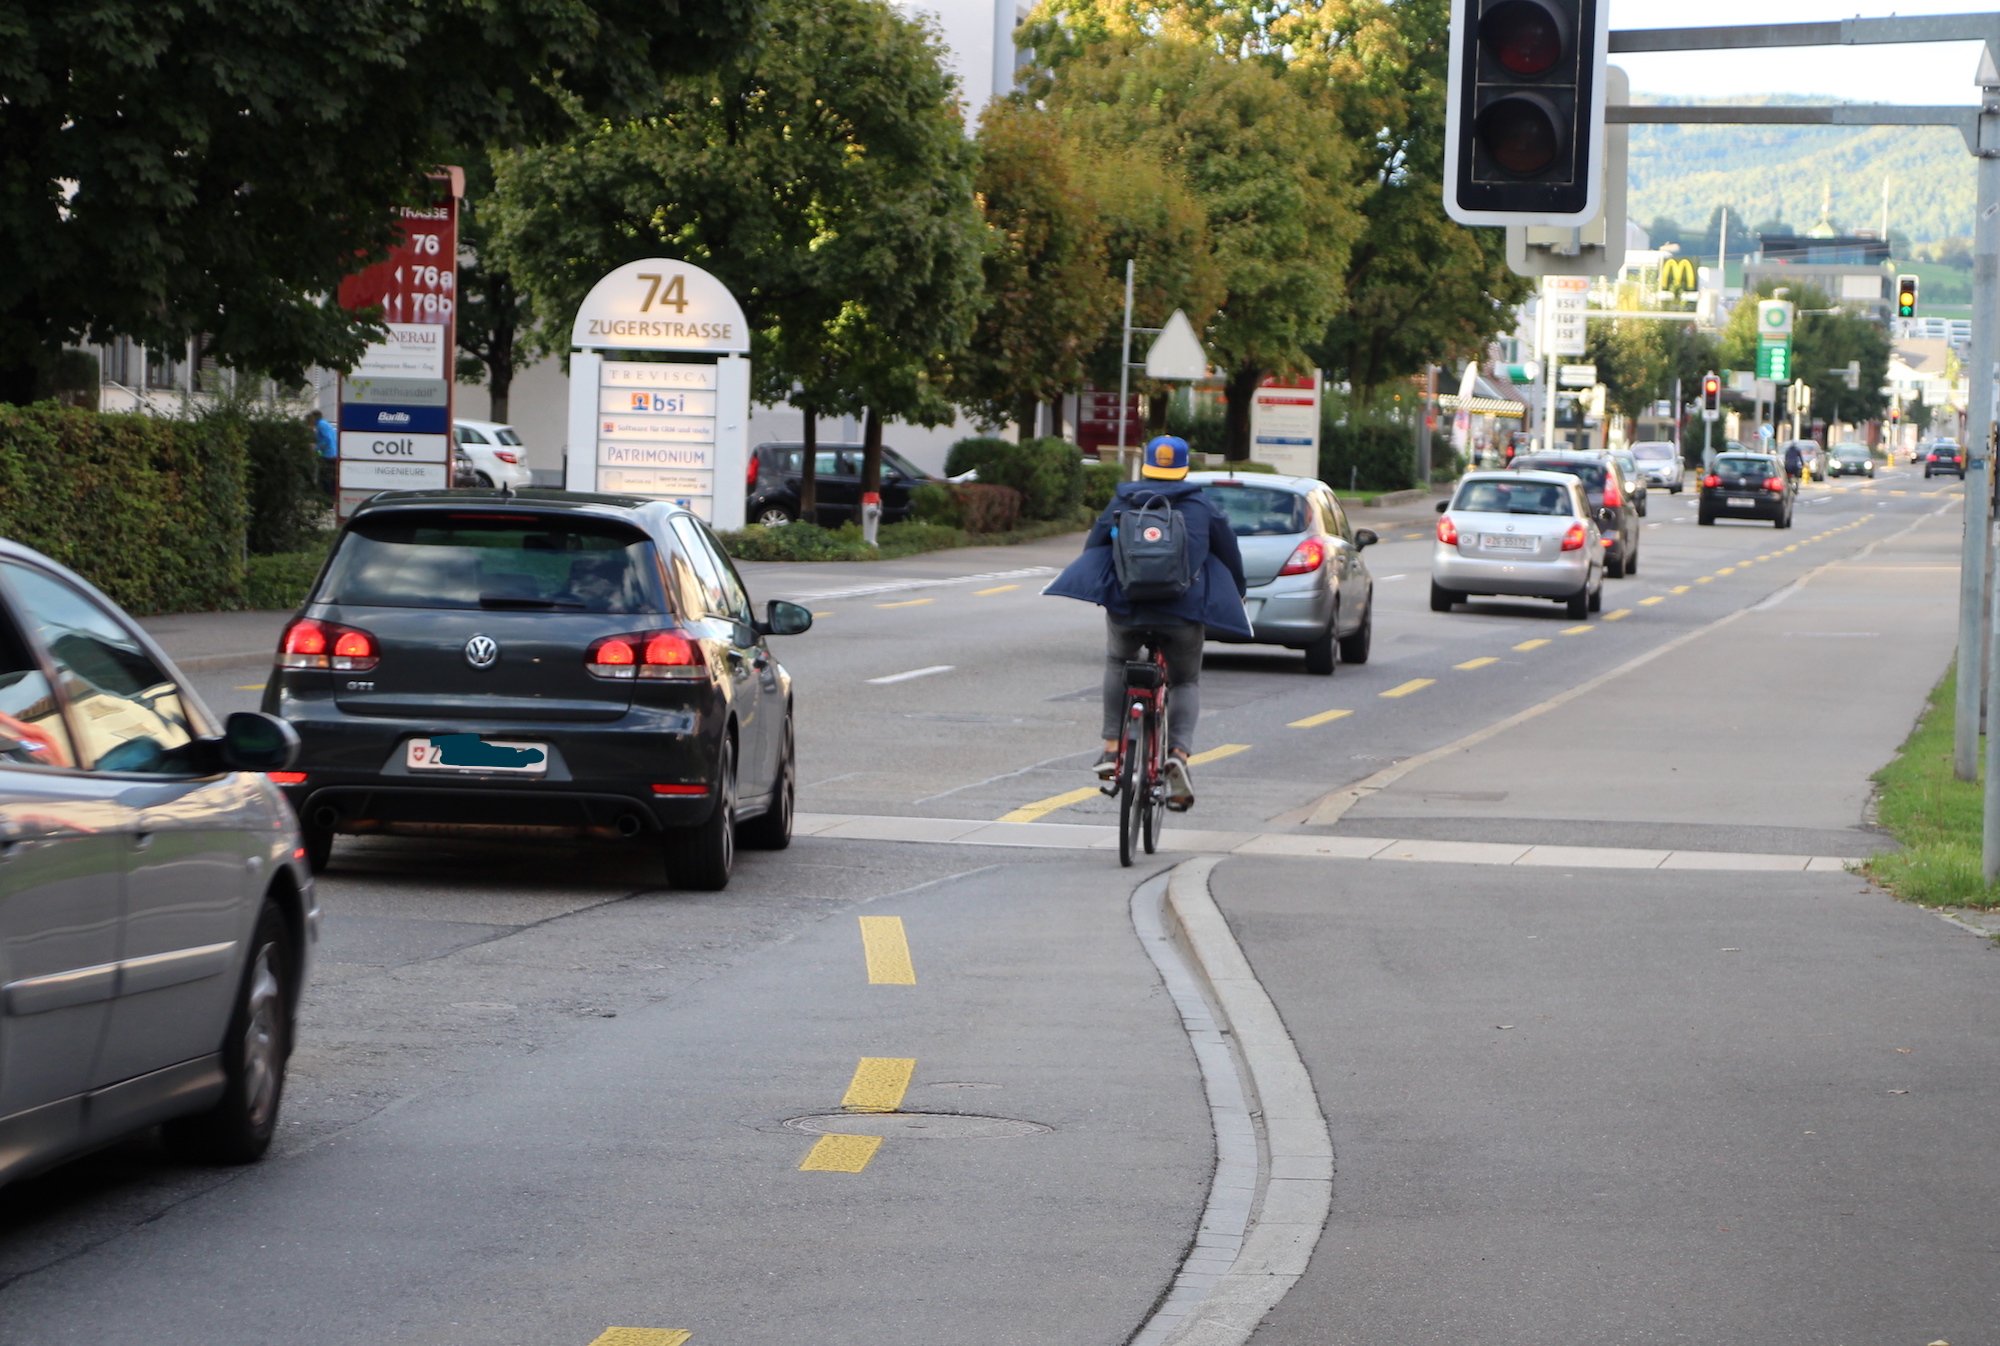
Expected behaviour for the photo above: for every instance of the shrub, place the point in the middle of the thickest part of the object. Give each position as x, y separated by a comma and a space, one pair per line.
281, 582
287, 507
970, 453
987, 508
1367, 456
1205, 427
911, 537
149, 510
1047, 472
1099, 481
935, 502
798, 542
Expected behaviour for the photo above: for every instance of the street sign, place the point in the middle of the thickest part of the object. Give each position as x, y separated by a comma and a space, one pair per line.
1567, 297
1774, 360
1176, 352
1576, 376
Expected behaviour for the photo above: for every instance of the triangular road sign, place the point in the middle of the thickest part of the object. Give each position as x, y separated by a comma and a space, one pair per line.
1176, 352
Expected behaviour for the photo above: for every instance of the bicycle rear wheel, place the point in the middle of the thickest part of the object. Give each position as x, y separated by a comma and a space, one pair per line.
1153, 790
1131, 788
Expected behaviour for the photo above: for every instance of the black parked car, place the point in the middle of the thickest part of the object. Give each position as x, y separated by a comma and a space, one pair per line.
771, 494
542, 659
1617, 513
1747, 486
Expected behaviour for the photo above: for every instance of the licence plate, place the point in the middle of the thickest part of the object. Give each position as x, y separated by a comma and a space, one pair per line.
470, 752
1737, 502
1507, 542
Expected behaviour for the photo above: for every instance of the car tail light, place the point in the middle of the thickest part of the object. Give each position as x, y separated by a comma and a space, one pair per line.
506, 457
750, 477
1710, 482
1931, 459
1574, 539
315, 644
1447, 531
645, 654
286, 777
1306, 558
1773, 484
663, 788
1612, 499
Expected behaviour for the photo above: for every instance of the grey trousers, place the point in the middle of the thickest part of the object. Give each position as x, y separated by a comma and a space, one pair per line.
1183, 648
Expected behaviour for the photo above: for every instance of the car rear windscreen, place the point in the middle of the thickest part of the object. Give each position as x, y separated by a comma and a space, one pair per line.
1652, 453
1512, 497
1588, 471
1259, 511
493, 561
1741, 467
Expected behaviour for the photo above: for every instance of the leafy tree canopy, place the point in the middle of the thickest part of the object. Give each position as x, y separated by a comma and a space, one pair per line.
202, 167
1822, 345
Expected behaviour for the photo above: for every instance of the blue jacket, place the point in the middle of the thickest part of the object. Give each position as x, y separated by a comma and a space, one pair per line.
327, 438
1215, 599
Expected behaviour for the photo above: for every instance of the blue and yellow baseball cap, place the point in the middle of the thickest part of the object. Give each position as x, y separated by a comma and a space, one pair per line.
1166, 458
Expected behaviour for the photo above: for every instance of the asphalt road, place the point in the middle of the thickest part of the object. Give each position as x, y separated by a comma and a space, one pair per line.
538, 1097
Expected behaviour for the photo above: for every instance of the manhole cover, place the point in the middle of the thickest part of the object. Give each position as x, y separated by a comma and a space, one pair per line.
916, 1125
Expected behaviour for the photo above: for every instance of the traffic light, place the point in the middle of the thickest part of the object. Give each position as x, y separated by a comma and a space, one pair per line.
1711, 395
1906, 296
1524, 112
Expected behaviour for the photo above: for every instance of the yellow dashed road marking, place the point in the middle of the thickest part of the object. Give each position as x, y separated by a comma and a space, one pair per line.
1704, 579
1656, 598
642, 1336
1218, 752
251, 687
1535, 644
1041, 808
1578, 630
818, 615
1793, 547
1414, 537
1480, 662
888, 951
1618, 616
996, 589
1678, 589
840, 1154
1727, 570
907, 603
1324, 717
1413, 685
879, 1083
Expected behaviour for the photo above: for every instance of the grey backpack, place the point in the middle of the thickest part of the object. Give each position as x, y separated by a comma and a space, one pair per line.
1149, 550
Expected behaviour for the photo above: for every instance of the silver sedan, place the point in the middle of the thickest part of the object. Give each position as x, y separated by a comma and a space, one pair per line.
1525, 534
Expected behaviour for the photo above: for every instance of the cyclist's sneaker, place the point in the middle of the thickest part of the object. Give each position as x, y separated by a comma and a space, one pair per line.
1180, 783
1107, 765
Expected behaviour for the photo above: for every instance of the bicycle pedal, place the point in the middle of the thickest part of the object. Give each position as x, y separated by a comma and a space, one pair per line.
1180, 807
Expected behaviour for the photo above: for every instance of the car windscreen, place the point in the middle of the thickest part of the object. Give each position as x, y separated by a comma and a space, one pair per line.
1259, 511
460, 559
1745, 466
1652, 453
1850, 450
1512, 497
896, 461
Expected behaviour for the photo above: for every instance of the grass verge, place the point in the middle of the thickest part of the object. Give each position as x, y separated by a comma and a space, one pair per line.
1936, 816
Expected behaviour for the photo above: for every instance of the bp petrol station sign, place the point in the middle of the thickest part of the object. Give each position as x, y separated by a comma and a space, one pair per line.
1774, 340
659, 390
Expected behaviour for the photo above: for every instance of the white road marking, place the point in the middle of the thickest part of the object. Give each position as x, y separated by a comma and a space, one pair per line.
914, 673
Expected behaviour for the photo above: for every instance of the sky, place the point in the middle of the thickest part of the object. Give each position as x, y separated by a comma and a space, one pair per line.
1926, 73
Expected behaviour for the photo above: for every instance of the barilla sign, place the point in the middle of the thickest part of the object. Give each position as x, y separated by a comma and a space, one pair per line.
415, 420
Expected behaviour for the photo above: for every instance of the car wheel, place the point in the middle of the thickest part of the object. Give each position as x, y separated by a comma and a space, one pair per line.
1642, 509
773, 516
701, 857
1579, 603
481, 479
1442, 598
1614, 566
1597, 597
319, 846
1354, 648
1320, 654
1704, 517
238, 1129
1632, 562
772, 831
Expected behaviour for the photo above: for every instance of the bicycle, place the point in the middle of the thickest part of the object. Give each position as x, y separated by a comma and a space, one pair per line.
1139, 777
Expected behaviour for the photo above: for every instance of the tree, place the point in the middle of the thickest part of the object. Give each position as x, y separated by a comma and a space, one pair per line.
822, 174
497, 331
1048, 296
1823, 343
215, 169
1271, 170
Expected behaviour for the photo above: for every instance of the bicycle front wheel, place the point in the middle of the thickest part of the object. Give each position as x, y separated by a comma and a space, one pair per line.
1131, 790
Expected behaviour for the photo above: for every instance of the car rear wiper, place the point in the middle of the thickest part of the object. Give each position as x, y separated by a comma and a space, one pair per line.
506, 601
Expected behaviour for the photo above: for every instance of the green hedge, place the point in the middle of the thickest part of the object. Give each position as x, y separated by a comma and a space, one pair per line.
970, 453
150, 510
287, 506
1369, 457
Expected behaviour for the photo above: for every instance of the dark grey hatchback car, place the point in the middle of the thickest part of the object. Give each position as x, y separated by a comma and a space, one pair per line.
587, 664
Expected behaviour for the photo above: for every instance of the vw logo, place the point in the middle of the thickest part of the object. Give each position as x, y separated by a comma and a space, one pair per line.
482, 651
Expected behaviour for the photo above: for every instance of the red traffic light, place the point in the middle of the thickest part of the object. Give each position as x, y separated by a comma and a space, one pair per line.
1521, 134
1711, 387
1525, 36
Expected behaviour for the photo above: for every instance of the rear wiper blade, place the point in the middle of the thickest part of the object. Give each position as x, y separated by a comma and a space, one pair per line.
544, 604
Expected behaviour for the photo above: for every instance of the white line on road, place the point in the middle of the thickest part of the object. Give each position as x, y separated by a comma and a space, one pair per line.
914, 673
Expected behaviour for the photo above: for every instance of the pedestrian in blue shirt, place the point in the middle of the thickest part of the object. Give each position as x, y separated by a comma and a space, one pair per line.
329, 449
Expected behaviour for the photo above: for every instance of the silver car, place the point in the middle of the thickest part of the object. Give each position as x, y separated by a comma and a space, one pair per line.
1660, 464
1518, 534
1309, 589
156, 913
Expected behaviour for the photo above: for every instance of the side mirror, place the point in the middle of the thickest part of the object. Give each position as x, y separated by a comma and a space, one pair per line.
1365, 537
1442, 505
254, 741
785, 619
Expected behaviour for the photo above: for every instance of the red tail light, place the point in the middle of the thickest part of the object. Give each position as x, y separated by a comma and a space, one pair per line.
645, 654
506, 457
315, 644
1447, 531
1574, 539
1306, 558
1774, 484
286, 777
750, 477
1710, 482
1612, 498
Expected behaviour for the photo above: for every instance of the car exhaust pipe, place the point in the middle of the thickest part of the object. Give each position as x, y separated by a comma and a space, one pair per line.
325, 816
629, 825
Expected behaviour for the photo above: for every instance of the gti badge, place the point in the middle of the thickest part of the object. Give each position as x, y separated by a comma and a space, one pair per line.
482, 651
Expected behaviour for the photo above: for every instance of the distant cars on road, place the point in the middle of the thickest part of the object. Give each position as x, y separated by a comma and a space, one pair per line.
1747, 486
1519, 533
499, 458
156, 913
1850, 459
1943, 456
1660, 463
581, 664
1310, 588
1631, 478
1616, 514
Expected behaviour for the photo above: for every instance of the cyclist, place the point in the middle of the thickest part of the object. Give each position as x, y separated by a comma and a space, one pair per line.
1213, 601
